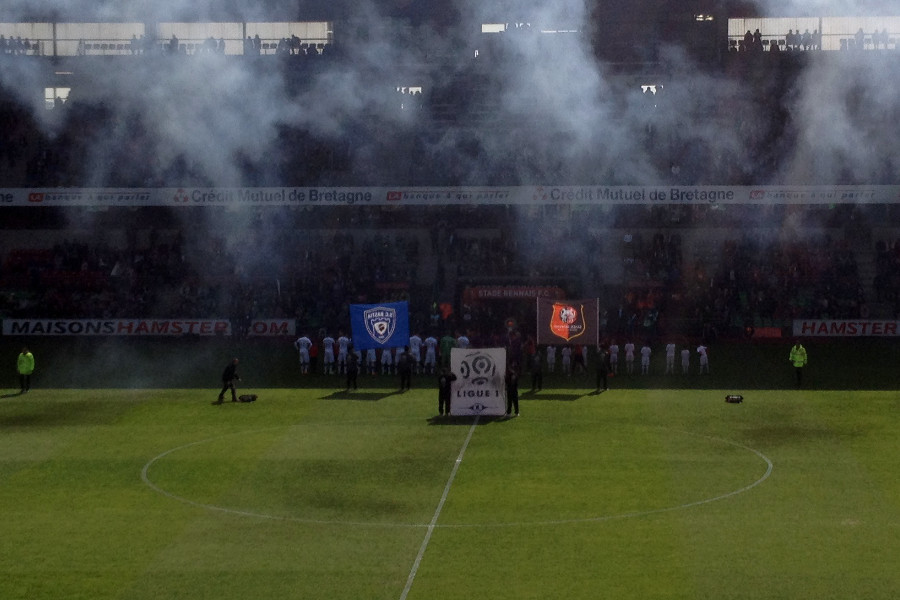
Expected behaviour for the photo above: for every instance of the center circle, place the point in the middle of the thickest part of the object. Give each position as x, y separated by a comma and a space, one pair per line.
303, 475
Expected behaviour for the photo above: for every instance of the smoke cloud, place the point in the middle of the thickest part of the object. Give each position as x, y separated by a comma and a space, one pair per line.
526, 107
554, 112
531, 108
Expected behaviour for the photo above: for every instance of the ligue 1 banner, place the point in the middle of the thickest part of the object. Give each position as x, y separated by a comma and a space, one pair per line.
380, 325
480, 386
561, 322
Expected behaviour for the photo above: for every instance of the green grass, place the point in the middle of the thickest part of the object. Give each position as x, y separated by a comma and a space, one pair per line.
315, 493
119, 480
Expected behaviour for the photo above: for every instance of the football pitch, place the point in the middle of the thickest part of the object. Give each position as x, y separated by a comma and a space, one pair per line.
314, 492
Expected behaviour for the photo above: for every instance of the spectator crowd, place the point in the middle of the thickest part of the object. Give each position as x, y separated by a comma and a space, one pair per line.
652, 278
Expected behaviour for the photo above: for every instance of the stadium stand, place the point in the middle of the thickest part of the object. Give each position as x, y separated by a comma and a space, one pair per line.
697, 269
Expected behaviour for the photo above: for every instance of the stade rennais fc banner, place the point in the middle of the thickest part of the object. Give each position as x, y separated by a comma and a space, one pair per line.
480, 385
561, 322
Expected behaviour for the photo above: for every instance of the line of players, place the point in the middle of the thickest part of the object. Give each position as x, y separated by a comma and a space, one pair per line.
575, 359
336, 352
645, 352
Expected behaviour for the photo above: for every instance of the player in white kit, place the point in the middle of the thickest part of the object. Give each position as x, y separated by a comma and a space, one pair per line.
645, 359
670, 358
343, 346
629, 358
566, 354
551, 359
371, 361
303, 344
462, 341
704, 359
328, 355
415, 352
387, 361
431, 344
614, 358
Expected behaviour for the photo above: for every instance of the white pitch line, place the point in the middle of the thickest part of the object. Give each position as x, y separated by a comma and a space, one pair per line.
437, 513
145, 476
643, 513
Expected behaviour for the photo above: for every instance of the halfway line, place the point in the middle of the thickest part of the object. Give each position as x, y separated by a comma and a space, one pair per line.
437, 513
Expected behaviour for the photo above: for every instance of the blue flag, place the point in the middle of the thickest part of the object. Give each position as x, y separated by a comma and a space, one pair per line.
380, 325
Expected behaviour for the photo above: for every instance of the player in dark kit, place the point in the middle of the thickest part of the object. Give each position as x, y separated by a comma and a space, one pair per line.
229, 376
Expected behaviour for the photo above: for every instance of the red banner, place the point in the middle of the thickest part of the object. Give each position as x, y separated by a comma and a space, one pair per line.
568, 321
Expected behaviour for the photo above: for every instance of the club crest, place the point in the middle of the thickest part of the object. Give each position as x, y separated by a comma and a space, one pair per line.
567, 321
381, 322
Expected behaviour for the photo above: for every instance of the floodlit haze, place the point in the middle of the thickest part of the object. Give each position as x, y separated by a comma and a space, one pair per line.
531, 109
142, 11
817, 8
564, 118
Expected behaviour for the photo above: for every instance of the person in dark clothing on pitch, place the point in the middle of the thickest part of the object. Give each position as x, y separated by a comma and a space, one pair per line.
352, 369
512, 390
404, 368
537, 372
445, 380
603, 369
229, 376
